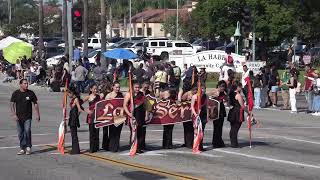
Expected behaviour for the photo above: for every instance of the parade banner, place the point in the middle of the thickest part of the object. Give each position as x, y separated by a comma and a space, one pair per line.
110, 112
214, 59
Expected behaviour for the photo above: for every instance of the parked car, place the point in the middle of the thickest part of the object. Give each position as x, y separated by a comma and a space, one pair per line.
53, 51
162, 48
35, 40
55, 43
52, 61
94, 43
92, 55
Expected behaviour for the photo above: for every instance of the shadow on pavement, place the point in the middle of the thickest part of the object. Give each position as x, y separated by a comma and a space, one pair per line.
140, 175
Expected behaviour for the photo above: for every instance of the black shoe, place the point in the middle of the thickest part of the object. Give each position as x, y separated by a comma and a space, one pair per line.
139, 151
183, 145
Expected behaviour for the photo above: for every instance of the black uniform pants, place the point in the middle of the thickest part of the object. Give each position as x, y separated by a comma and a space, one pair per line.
201, 143
75, 141
94, 138
188, 134
235, 126
141, 137
167, 136
114, 137
105, 138
217, 141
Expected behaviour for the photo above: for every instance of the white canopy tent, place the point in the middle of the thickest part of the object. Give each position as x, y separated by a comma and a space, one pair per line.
7, 41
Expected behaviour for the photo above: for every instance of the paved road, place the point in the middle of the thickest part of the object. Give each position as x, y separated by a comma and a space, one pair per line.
285, 147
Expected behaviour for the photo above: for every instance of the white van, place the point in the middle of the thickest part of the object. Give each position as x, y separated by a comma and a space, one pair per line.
162, 48
95, 43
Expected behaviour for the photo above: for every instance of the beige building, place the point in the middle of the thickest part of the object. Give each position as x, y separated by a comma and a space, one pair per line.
149, 22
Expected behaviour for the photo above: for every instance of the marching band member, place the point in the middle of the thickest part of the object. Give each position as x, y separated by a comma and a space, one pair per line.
105, 90
74, 124
202, 113
92, 99
114, 131
167, 129
236, 113
139, 114
220, 95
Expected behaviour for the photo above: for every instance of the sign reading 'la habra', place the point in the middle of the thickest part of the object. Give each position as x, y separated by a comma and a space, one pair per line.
213, 60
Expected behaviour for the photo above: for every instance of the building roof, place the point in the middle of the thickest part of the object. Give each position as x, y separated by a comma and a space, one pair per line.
158, 15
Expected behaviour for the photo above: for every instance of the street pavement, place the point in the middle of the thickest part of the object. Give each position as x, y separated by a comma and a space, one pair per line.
286, 146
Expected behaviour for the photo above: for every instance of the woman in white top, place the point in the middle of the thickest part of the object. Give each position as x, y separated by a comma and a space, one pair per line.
18, 69
161, 78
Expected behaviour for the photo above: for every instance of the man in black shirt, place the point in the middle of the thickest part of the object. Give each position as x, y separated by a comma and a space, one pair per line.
174, 75
21, 109
139, 73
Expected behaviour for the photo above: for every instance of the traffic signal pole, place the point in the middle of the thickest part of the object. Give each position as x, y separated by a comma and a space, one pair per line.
70, 35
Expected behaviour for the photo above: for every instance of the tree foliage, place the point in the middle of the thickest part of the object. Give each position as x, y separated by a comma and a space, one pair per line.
273, 20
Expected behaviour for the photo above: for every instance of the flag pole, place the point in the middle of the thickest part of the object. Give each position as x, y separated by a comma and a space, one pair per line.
134, 142
198, 125
62, 127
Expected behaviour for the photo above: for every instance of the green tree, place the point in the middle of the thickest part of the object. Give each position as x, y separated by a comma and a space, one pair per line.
273, 20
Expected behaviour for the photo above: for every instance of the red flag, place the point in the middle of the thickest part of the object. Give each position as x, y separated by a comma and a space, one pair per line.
197, 124
250, 106
250, 95
62, 126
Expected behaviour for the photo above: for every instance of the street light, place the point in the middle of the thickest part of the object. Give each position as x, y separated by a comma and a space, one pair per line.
236, 36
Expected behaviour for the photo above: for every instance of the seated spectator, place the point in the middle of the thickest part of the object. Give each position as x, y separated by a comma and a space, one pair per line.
9, 75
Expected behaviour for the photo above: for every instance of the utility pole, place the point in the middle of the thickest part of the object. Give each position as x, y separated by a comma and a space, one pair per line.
130, 19
103, 33
10, 11
110, 19
85, 28
70, 35
253, 46
65, 27
40, 43
177, 25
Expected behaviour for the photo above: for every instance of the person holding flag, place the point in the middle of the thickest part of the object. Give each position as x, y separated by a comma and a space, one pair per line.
199, 116
74, 123
135, 100
236, 113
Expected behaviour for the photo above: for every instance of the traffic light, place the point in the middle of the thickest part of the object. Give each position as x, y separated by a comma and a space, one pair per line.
246, 21
76, 20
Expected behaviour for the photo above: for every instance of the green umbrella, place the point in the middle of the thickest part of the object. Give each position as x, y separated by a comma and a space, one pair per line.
16, 50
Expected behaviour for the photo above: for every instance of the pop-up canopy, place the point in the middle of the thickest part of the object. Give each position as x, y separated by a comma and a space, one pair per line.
16, 50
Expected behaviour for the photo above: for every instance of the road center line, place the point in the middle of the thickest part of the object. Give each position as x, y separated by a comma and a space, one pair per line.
268, 159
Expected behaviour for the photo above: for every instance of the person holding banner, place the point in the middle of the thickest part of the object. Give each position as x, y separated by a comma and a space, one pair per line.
167, 129
139, 113
92, 99
114, 130
105, 90
202, 112
220, 95
236, 113
74, 123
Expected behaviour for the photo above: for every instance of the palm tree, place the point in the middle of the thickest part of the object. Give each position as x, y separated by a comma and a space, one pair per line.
40, 43
65, 28
103, 32
85, 28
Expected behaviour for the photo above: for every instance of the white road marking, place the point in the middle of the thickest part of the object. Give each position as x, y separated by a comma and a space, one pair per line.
299, 140
281, 128
39, 145
166, 152
268, 159
35, 135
